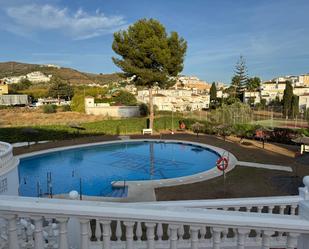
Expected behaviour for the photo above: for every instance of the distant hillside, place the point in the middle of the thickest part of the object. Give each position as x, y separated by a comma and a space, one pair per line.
71, 75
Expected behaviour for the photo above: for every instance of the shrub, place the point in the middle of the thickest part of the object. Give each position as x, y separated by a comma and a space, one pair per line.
125, 98
143, 109
78, 103
66, 108
243, 131
283, 135
49, 108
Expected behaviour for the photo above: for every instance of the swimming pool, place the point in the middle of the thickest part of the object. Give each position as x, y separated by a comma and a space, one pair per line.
96, 167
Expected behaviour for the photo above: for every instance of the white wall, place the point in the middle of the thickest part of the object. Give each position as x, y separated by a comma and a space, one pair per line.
9, 182
114, 111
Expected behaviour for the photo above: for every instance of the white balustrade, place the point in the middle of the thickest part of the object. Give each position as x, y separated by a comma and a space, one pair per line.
276, 205
43, 223
6, 157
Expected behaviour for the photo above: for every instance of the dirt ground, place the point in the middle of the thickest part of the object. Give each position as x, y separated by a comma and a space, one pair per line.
31, 117
240, 182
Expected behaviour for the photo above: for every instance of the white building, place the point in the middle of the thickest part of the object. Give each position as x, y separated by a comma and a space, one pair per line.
52, 101
110, 111
51, 65
13, 79
303, 102
175, 100
272, 90
192, 83
252, 97
38, 76
34, 77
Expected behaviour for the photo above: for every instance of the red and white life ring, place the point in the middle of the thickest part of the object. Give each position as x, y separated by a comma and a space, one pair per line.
222, 163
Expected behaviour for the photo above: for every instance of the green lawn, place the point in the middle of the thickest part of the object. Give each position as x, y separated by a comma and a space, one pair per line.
108, 127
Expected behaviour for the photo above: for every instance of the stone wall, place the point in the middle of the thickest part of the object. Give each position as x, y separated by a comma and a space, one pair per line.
114, 111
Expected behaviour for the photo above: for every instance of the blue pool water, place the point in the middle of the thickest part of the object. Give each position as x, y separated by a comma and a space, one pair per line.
98, 166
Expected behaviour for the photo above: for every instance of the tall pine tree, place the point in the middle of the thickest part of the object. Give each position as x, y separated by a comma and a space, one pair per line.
240, 78
294, 106
287, 99
149, 55
213, 93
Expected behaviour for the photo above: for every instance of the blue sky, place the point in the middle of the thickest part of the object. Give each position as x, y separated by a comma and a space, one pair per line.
272, 35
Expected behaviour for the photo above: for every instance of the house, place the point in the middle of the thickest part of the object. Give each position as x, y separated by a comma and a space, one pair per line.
111, 111
176, 99
252, 97
303, 102
38, 76
4, 89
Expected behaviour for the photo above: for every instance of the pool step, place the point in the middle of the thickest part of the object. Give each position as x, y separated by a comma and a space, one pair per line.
118, 192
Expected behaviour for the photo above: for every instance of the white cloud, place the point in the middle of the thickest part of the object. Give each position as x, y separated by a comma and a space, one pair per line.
79, 24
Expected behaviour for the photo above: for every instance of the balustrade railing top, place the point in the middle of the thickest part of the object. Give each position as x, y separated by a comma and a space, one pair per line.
229, 203
6, 157
115, 211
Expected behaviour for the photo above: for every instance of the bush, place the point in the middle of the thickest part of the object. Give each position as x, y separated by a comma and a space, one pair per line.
78, 103
143, 109
66, 108
49, 108
125, 98
244, 130
283, 135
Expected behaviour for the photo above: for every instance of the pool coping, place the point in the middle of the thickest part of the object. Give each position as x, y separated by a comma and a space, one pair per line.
146, 187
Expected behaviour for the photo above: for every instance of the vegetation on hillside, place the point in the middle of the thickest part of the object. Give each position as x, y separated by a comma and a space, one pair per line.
70, 75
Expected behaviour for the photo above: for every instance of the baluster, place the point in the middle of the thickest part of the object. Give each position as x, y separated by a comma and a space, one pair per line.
29, 233
139, 231
38, 232
50, 234
216, 237
224, 234
260, 209
266, 239
84, 234
203, 232
181, 232
129, 234
90, 234
248, 209
291, 242
259, 232
12, 232
293, 209
106, 234
55, 234
173, 236
159, 231
98, 230
150, 235
241, 237
63, 233
194, 236
281, 209
118, 230
168, 232
270, 209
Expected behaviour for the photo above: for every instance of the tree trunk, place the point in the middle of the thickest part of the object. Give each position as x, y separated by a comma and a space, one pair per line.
151, 112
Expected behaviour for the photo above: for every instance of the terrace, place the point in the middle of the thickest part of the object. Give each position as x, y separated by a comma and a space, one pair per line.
264, 222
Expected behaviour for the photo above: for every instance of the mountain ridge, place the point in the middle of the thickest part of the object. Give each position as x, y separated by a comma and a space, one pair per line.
73, 76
